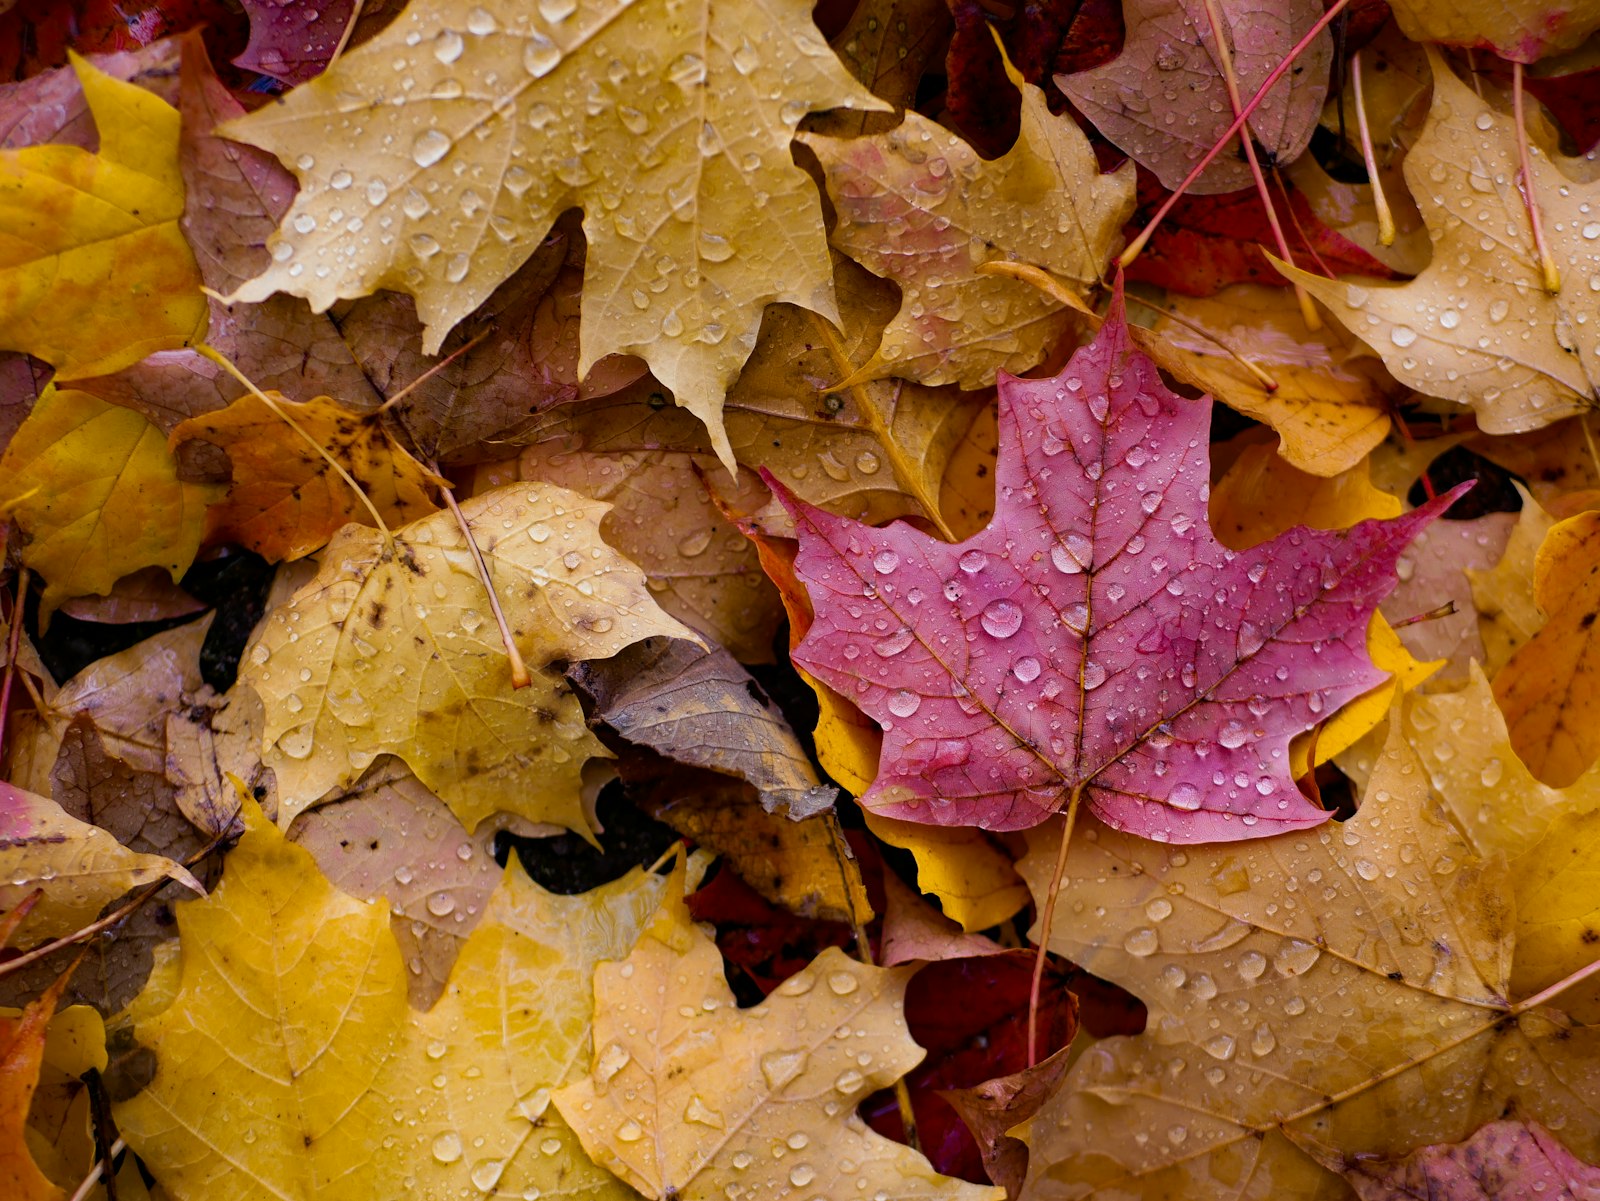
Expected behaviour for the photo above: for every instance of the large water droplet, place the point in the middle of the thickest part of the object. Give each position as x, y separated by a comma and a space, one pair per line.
1002, 618
429, 147
903, 702
449, 46
540, 55
1185, 796
447, 1147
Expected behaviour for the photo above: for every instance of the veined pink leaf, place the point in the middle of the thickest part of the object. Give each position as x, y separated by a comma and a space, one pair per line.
1096, 635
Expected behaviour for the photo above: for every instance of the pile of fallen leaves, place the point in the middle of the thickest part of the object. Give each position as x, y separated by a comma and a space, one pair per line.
625, 597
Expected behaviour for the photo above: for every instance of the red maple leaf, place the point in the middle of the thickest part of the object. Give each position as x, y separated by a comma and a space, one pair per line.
1095, 638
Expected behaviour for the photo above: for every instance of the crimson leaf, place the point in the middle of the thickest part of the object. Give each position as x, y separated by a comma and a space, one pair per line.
1095, 636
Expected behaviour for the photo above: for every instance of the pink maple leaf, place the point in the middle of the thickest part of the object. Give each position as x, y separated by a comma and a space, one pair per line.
1096, 636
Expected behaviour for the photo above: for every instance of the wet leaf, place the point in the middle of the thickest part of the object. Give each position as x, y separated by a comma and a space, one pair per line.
97, 496
1143, 641
78, 866
754, 234
1549, 689
21, 1055
291, 42
318, 1081
288, 496
1164, 101
688, 1092
1500, 1162
391, 649
1477, 326
1521, 30
1275, 1027
918, 206
700, 707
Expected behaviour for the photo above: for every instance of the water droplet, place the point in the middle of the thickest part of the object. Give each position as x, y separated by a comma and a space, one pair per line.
557, 11
903, 702
1484, 121
1185, 796
1141, 942
1094, 675
540, 55
447, 1147
1402, 335
1252, 964
1295, 957
849, 1080
429, 147
700, 1113
1232, 735
1262, 1040
887, 648
611, 1061
1001, 619
486, 1174
973, 561
780, 1067
1220, 1047
630, 1132
449, 46
441, 904
1026, 669
885, 561
843, 983
801, 1175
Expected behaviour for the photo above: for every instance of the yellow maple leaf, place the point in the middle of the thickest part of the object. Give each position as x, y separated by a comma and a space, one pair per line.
689, 1094
313, 1087
973, 878
78, 867
391, 649
97, 495
94, 271
918, 206
668, 123
1478, 326
1550, 688
1331, 405
1278, 1027
287, 500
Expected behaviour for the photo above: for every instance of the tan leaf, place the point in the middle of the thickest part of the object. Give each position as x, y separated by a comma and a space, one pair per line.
390, 837
79, 867
1273, 1024
918, 206
1507, 613
1484, 282
689, 1093
701, 570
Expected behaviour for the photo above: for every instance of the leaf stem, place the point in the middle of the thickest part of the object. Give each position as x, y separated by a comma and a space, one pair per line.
1045, 920
1547, 262
1379, 201
222, 360
1138, 244
1219, 35
519, 670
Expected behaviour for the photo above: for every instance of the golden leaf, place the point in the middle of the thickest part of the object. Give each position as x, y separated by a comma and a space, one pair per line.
314, 1085
695, 213
1550, 688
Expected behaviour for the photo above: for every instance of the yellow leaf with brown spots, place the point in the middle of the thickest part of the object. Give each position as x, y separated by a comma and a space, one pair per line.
287, 500
392, 649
